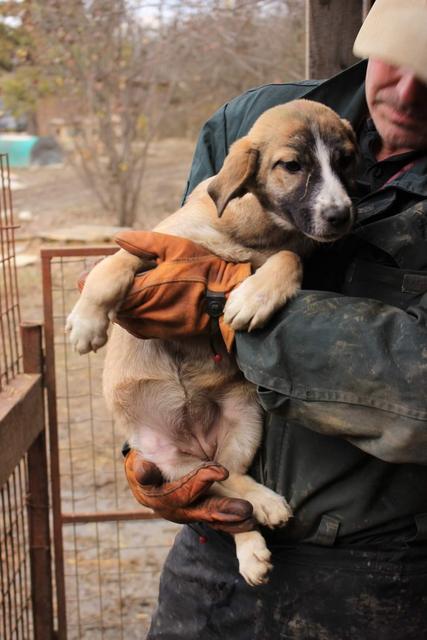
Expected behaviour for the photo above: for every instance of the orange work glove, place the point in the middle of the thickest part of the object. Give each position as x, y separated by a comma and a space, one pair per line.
169, 301
184, 501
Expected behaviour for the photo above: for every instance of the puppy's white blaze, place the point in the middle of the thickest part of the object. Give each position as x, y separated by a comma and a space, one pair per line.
332, 192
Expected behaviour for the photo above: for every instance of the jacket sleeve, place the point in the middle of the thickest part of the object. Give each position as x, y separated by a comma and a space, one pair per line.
349, 367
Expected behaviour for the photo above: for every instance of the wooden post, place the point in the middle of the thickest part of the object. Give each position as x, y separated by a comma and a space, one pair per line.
38, 499
367, 4
331, 28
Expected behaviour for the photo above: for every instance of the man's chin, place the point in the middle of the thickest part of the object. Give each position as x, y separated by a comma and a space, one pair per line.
399, 139
399, 131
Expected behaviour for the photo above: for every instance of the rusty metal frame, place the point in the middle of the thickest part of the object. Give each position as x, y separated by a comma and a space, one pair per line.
60, 517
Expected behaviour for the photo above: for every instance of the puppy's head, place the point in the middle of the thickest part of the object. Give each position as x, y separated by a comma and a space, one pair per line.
298, 159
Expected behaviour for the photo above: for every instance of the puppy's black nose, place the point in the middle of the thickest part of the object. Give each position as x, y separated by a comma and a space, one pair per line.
337, 216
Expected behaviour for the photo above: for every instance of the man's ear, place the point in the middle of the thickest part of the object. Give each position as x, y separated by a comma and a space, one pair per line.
239, 166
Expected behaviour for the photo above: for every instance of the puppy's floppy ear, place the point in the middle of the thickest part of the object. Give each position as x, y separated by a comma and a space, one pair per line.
352, 136
239, 166
350, 130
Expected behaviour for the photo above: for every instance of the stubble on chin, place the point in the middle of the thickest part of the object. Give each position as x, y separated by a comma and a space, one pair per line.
397, 138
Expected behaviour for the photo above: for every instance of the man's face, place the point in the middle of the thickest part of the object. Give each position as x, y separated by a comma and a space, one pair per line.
397, 102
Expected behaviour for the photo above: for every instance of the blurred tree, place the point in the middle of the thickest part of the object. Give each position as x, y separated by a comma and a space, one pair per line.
21, 82
117, 68
238, 44
136, 69
13, 35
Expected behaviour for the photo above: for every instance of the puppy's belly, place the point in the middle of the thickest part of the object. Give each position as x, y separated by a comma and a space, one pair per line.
187, 411
176, 455
228, 431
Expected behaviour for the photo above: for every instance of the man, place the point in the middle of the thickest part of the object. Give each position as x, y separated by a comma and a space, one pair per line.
342, 374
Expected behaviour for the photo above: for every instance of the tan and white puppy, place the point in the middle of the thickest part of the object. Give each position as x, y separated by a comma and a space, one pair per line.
282, 188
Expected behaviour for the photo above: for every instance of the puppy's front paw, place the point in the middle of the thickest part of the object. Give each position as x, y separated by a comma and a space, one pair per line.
254, 558
87, 331
253, 302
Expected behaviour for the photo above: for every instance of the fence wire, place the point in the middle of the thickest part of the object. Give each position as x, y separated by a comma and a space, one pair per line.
10, 349
15, 586
15, 581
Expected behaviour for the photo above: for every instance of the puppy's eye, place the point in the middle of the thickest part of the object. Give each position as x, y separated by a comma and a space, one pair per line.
291, 167
346, 160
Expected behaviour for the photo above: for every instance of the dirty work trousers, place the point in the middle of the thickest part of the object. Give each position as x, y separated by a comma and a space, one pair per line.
314, 593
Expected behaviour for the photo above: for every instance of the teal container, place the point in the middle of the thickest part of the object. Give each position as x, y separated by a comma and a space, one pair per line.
18, 146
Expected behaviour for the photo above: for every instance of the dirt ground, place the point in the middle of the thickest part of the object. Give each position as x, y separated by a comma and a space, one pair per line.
112, 568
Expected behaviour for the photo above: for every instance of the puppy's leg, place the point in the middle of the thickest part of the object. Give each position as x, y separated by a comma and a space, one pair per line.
253, 302
270, 509
253, 556
104, 289
239, 436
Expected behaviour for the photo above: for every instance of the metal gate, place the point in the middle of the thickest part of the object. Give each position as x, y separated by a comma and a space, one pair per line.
107, 561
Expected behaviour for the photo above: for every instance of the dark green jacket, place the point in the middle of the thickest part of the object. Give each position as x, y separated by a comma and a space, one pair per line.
344, 378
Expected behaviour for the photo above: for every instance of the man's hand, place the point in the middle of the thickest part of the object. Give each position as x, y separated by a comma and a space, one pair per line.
185, 501
170, 301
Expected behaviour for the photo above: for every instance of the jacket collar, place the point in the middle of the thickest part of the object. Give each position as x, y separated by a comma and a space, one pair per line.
415, 180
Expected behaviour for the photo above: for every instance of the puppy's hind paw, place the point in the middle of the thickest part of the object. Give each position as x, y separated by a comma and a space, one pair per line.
254, 558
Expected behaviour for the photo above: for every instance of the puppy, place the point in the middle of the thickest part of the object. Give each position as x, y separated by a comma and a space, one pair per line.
281, 190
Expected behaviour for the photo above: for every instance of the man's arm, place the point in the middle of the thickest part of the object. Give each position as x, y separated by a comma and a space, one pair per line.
348, 367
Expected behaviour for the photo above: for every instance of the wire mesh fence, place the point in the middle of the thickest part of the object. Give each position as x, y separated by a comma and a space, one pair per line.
10, 351
111, 554
15, 585
16, 618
